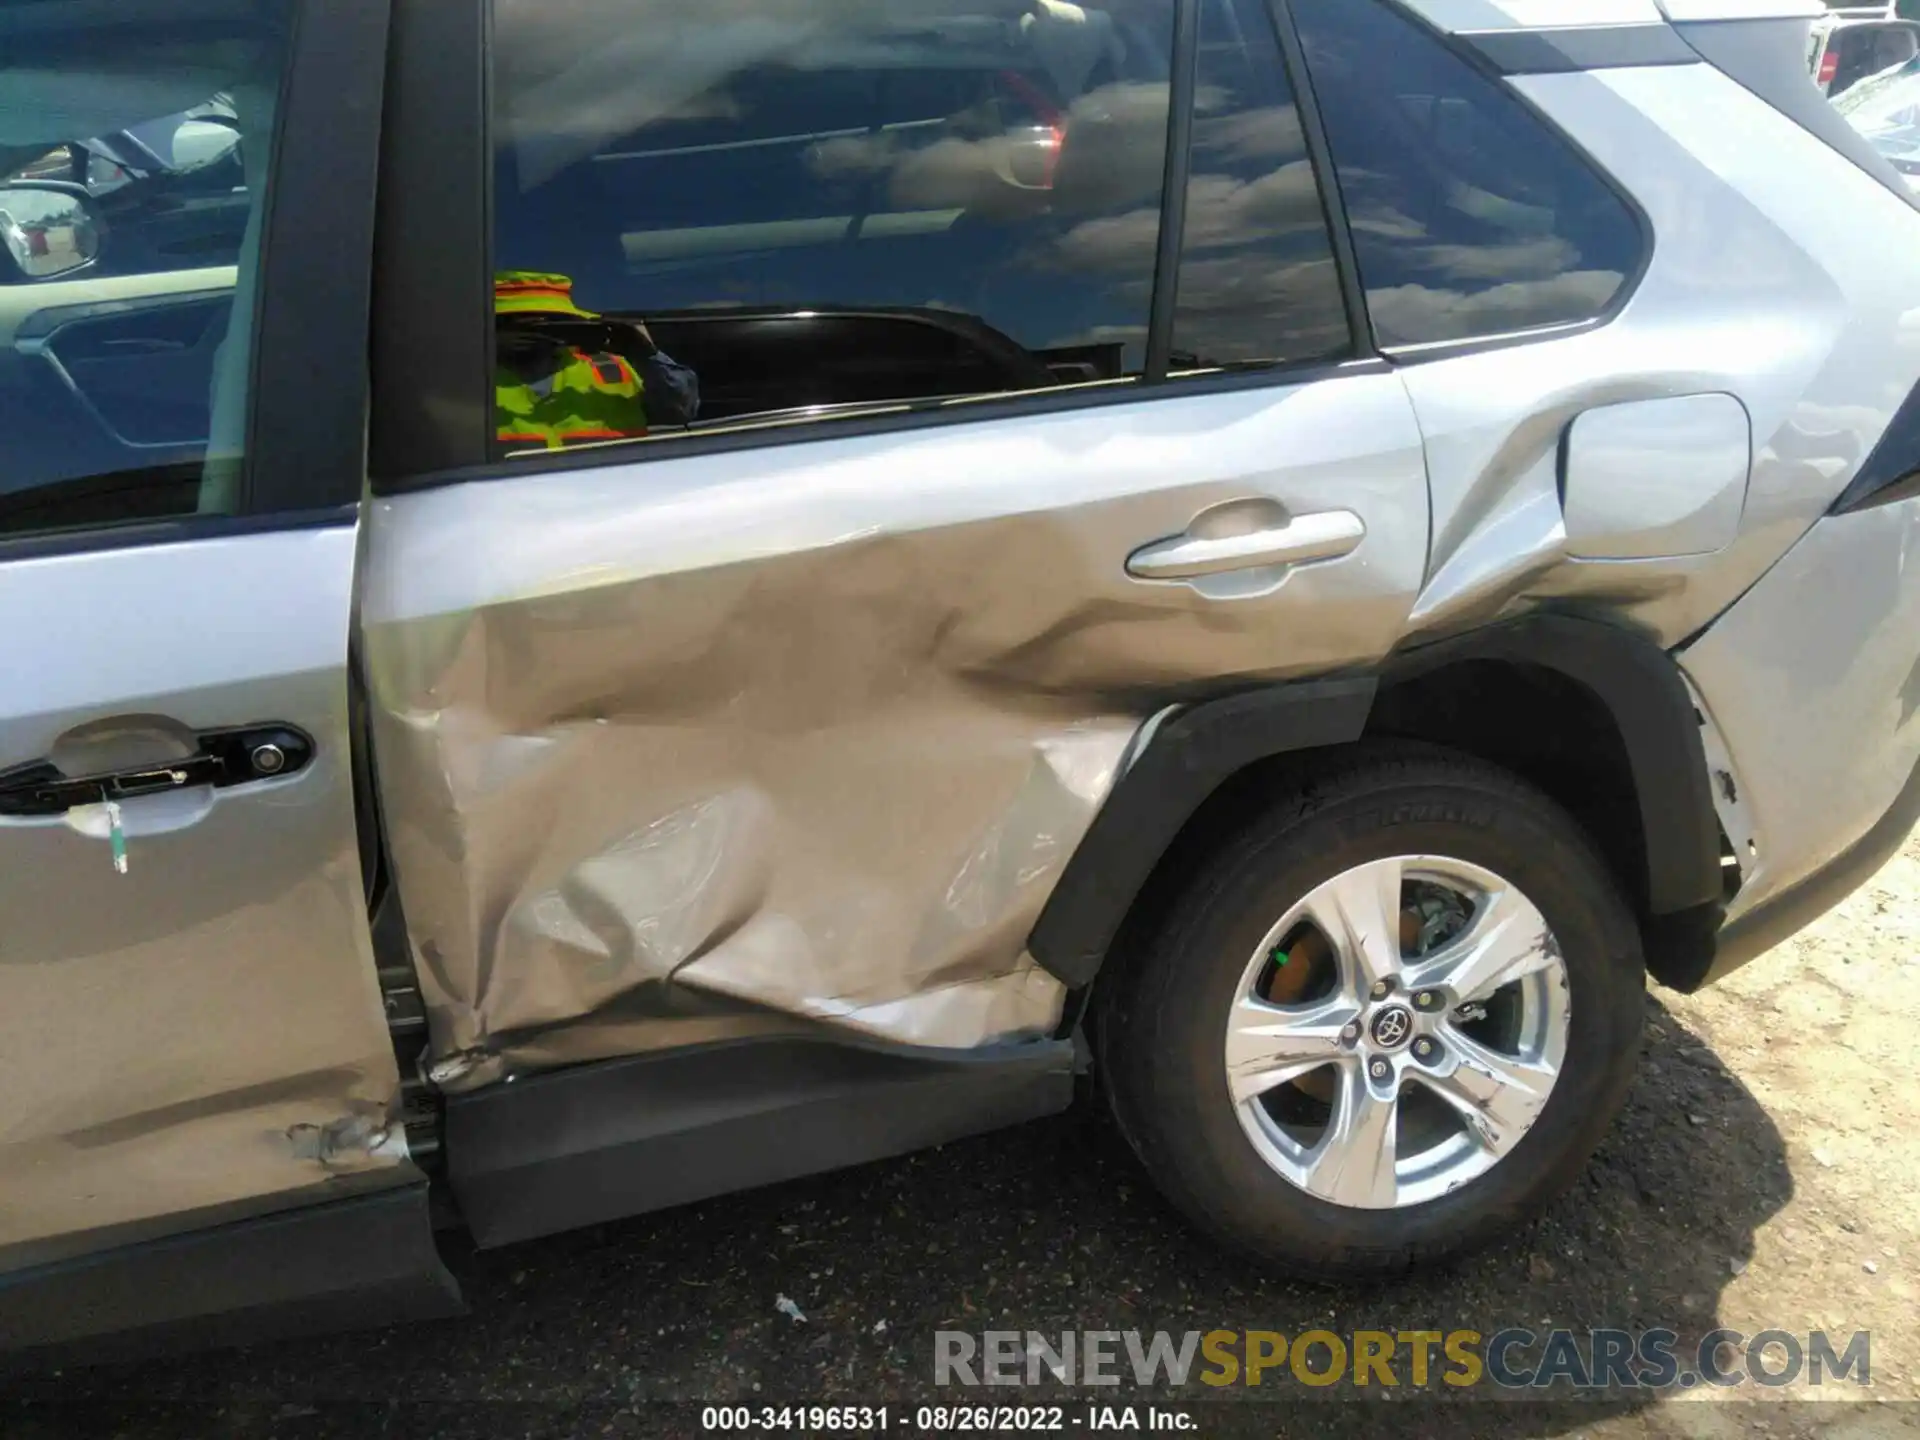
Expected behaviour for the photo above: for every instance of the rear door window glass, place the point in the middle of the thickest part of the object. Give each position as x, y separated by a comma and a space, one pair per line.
766, 210
1470, 216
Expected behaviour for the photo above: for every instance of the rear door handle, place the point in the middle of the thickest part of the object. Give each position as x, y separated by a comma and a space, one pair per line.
1326, 535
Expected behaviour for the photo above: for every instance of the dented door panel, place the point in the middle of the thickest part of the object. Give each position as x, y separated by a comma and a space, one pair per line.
705, 746
1799, 311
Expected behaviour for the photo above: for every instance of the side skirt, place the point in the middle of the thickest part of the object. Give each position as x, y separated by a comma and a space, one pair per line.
582, 1146
337, 1266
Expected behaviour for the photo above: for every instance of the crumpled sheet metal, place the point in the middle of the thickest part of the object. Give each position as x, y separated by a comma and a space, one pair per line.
679, 862
682, 877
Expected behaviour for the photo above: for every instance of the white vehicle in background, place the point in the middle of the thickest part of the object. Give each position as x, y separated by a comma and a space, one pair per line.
1886, 110
1858, 42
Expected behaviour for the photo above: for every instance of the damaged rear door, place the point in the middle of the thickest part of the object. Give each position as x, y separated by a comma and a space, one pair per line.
787, 718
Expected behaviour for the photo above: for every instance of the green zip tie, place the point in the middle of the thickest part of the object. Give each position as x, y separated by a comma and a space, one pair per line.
115, 838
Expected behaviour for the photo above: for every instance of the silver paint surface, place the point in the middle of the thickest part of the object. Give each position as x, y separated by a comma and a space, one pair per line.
1467, 15
704, 745
1814, 681
1684, 11
1653, 478
1454, 15
204, 1034
1803, 312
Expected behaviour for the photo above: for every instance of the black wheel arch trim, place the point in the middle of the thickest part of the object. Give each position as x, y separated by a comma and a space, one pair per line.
1185, 759
1641, 686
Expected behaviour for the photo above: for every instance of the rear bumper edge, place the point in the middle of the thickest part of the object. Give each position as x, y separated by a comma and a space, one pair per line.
1797, 907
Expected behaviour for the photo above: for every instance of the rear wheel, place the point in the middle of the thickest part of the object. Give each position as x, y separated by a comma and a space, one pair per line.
1391, 1019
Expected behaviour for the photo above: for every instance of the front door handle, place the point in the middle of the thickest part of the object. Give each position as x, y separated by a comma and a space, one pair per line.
1325, 535
225, 758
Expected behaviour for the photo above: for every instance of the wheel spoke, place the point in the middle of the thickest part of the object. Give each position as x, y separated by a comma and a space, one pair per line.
1268, 1045
1507, 940
1360, 913
1498, 1096
1354, 1162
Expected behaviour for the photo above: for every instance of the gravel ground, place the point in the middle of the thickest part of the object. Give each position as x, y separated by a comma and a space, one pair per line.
1763, 1176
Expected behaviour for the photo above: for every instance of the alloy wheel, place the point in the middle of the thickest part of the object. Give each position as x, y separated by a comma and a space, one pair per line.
1398, 1031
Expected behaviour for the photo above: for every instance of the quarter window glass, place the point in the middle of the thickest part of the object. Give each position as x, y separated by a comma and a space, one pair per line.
1470, 217
134, 146
760, 210
1257, 276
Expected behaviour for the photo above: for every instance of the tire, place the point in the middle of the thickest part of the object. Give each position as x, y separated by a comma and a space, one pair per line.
1163, 1012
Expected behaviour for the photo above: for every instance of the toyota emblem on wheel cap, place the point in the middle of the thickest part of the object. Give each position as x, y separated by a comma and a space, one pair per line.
1392, 1026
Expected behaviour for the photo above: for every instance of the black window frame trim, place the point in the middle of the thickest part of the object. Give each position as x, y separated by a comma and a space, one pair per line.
432, 351
308, 407
1170, 247
304, 459
1333, 200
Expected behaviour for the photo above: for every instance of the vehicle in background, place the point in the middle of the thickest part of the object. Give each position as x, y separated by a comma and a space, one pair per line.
1886, 110
117, 272
1854, 43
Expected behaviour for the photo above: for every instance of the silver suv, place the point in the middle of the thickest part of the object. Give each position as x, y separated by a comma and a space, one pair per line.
615, 601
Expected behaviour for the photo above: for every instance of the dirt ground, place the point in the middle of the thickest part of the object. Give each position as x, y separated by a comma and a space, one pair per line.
1766, 1175
1815, 1046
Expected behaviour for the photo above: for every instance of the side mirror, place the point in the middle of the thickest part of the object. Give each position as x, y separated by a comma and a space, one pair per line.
204, 139
48, 229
